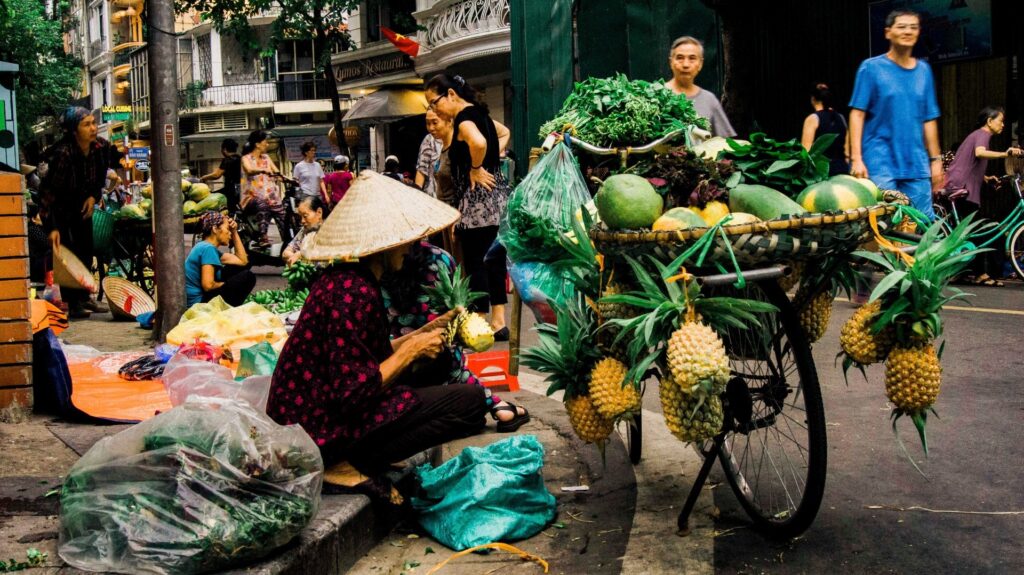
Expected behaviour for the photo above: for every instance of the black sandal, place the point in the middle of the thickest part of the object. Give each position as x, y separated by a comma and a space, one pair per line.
513, 424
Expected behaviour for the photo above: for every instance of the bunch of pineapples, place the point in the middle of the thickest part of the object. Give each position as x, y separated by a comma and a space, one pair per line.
901, 321
820, 282
597, 393
451, 291
677, 335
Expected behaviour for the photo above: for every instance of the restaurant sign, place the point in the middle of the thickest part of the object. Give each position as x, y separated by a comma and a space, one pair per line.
384, 65
116, 113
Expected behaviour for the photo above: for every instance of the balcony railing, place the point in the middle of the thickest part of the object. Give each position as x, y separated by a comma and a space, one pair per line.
262, 93
123, 57
97, 48
467, 18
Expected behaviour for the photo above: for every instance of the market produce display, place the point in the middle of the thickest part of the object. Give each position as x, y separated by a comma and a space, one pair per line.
279, 301
783, 166
209, 485
618, 112
196, 199
229, 327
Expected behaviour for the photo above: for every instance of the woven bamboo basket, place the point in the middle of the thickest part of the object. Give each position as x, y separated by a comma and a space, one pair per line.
792, 239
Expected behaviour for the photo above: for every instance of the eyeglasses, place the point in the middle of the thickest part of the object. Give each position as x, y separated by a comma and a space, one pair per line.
434, 102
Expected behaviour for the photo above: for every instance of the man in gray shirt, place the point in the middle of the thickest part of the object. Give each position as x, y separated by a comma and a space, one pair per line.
685, 59
309, 173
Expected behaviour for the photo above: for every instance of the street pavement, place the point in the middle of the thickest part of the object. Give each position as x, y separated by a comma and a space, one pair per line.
879, 515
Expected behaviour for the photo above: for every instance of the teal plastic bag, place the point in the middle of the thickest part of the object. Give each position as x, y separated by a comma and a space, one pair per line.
486, 494
259, 359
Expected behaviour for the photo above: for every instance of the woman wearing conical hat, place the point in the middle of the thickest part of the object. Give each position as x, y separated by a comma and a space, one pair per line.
340, 375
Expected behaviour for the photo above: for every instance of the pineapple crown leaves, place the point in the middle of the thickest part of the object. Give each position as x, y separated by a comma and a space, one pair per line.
451, 290
567, 350
833, 274
920, 420
913, 294
581, 262
666, 303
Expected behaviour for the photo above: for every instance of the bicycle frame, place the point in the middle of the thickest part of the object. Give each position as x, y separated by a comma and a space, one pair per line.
1012, 220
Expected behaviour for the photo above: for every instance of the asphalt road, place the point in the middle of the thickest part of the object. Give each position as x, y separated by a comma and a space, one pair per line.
971, 475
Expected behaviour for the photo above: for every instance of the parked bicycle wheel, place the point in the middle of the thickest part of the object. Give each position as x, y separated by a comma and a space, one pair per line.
774, 450
1017, 251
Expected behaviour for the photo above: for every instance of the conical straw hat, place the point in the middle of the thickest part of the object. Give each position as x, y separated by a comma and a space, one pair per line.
376, 214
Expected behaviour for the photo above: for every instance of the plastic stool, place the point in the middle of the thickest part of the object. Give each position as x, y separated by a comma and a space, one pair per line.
491, 368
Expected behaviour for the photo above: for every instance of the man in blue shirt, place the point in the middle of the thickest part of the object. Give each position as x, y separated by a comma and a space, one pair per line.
894, 133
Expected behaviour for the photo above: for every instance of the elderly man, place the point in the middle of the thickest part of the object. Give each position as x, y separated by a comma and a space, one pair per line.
686, 59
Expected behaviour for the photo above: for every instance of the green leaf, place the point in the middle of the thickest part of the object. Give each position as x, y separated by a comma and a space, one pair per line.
887, 283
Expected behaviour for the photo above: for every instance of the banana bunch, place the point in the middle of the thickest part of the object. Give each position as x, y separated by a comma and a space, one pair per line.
300, 275
279, 301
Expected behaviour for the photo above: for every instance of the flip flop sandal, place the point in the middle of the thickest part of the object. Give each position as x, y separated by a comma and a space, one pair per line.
513, 424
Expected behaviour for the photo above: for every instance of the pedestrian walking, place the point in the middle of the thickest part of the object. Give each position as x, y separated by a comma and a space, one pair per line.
686, 59
825, 120
481, 191
230, 169
75, 174
967, 172
429, 154
339, 180
894, 134
261, 196
309, 173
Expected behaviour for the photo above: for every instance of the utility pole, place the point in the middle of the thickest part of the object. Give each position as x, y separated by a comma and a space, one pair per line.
169, 244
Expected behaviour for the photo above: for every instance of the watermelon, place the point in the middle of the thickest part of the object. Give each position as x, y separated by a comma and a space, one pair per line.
838, 193
212, 202
763, 202
198, 192
678, 219
189, 208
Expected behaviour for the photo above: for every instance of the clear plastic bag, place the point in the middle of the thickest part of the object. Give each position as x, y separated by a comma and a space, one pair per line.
184, 377
542, 207
206, 486
540, 283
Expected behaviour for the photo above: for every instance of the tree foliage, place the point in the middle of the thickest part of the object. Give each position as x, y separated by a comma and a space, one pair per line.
47, 78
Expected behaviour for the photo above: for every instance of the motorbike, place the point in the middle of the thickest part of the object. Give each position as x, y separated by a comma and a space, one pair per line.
248, 228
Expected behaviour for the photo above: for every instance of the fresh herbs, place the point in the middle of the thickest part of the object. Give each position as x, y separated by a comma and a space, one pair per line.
687, 179
36, 558
783, 166
616, 112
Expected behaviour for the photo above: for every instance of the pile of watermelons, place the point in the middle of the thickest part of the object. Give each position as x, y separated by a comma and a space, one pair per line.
196, 198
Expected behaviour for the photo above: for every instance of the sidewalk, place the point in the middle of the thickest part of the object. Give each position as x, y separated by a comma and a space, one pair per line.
592, 526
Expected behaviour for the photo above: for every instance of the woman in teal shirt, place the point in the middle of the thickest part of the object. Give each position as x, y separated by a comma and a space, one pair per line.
209, 273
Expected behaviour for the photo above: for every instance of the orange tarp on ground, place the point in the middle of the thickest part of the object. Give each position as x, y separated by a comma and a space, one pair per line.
100, 392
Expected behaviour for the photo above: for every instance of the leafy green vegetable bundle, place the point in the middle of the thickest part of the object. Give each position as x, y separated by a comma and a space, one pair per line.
616, 112
208, 485
783, 166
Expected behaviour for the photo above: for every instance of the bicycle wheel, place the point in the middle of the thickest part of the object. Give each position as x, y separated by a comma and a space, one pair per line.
774, 448
1017, 251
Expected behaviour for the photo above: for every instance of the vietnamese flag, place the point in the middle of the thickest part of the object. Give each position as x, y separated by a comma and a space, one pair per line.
403, 43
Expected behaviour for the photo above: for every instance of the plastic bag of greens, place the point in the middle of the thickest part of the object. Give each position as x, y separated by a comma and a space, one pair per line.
209, 485
486, 494
184, 377
259, 359
543, 206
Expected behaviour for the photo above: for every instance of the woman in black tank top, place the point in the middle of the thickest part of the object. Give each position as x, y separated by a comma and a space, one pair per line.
825, 120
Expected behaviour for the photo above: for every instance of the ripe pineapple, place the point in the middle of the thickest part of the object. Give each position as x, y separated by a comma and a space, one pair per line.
815, 313
451, 291
687, 416
789, 282
587, 422
912, 378
858, 342
611, 395
567, 353
910, 307
697, 360
610, 310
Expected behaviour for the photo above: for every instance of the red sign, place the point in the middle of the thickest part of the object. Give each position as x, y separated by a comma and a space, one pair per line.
169, 135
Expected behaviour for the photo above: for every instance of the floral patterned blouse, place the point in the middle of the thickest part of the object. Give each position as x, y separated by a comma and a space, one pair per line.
261, 186
328, 376
409, 306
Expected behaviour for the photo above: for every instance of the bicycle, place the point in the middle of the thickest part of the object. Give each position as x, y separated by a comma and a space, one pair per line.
1012, 226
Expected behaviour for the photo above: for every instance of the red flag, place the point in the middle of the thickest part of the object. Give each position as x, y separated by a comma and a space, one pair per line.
403, 43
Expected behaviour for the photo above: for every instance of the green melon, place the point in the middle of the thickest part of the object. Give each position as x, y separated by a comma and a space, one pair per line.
626, 201
836, 194
189, 208
198, 192
763, 202
678, 219
146, 205
212, 202
872, 187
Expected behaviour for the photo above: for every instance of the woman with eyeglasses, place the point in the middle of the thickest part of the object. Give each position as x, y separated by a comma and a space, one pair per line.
480, 190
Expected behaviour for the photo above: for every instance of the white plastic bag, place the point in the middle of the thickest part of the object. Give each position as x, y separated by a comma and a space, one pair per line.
184, 377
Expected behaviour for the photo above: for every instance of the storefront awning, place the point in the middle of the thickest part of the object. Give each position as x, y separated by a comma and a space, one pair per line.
386, 105
302, 130
216, 136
